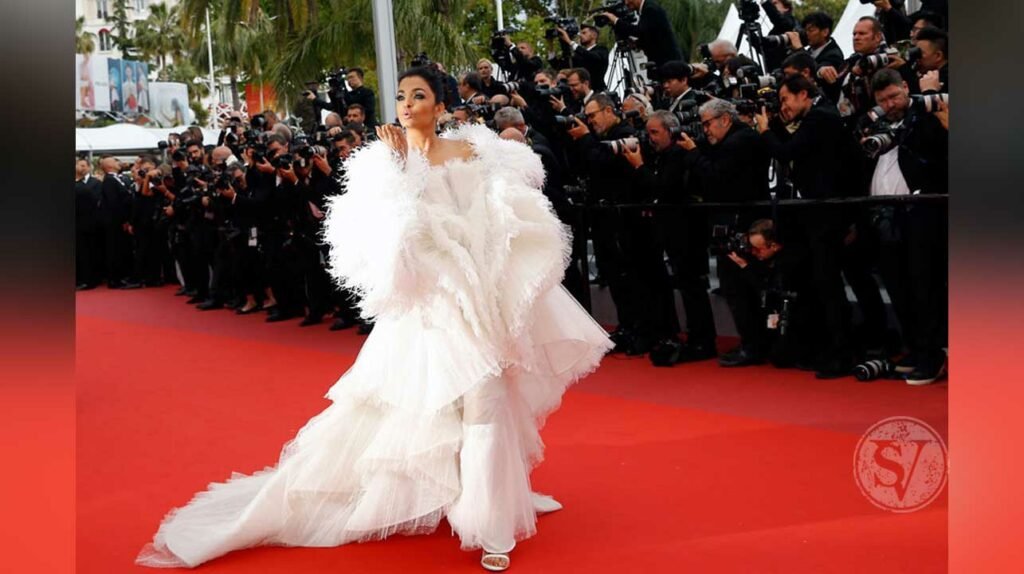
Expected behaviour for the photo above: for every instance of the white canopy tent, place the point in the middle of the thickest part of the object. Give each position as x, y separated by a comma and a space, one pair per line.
124, 138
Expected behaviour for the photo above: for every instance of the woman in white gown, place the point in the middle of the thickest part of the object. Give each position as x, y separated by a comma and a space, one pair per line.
459, 257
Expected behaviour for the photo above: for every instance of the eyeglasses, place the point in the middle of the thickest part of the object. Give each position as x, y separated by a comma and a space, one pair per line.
591, 115
706, 124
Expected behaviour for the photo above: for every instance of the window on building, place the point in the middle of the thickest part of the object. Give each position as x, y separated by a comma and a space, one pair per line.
141, 5
106, 42
101, 9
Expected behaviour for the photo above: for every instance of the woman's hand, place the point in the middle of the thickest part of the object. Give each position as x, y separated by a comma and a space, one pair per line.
394, 137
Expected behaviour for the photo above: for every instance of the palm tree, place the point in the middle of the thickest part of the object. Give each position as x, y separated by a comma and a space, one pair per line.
160, 36
85, 42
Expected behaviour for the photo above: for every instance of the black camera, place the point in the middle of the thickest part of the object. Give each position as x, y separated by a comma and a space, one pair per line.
779, 302
725, 240
498, 39
162, 144
570, 25
224, 181
619, 9
873, 370
283, 161
420, 59
783, 40
881, 139
569, 122
336, 79
559, 90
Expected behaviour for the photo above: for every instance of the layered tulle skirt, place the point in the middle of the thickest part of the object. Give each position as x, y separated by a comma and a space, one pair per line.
424, 426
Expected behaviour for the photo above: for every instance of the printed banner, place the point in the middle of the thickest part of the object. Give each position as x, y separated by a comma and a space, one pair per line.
169, 104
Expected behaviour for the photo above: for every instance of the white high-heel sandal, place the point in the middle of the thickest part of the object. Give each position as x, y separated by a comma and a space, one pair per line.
495, 561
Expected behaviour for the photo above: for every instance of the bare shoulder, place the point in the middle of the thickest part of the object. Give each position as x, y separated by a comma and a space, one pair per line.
460, 149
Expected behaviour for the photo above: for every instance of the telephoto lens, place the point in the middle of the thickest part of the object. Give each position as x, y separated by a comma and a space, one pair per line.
873, 370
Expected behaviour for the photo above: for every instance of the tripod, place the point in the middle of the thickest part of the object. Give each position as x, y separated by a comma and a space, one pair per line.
625, 70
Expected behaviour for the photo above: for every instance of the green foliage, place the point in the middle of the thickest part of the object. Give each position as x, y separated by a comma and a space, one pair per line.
85, 42
202, 115
123, 38
833, 8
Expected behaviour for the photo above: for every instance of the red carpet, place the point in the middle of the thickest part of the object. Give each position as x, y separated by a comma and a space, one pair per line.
690, 469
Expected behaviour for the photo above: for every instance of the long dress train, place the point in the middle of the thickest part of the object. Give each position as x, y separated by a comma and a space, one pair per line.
474, 345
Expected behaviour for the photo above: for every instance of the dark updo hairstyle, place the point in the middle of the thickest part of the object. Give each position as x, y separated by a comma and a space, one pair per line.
431, 77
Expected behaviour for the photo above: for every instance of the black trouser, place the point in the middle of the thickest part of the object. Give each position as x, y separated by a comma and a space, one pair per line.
283, 271
147, 257
608, 236
181, 253
825, 227
249, 268
913, 263
313, 272
857, 261
88, 256
650, 288
118, 250
744, 300
685, 236
202, 242
224, 281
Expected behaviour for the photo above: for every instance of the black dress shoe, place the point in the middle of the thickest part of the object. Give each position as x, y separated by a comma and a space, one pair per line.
181, 292
639, 346
195, 299
697, 352
210, 304
115, 285
311, 320
277, 316
131, 285
340, 324
623, 339
740, 357
243, 311
85, 286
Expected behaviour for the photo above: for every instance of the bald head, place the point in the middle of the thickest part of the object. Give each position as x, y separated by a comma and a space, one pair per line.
220, 155
110, 165
512, 134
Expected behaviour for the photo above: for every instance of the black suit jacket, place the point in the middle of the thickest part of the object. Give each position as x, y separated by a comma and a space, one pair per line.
735, 169
923, 154
831, 55
654, 34
594, 61
87, 205
115, 201
822, 153
610, 175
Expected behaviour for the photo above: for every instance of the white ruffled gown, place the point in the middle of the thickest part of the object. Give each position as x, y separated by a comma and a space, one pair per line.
474, 344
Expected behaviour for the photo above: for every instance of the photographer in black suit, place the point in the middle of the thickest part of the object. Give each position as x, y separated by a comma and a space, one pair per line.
663, 178
820, 43
586, 53
912, 238
88, 229
731, 165
610, 183
823, 159
653, 32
